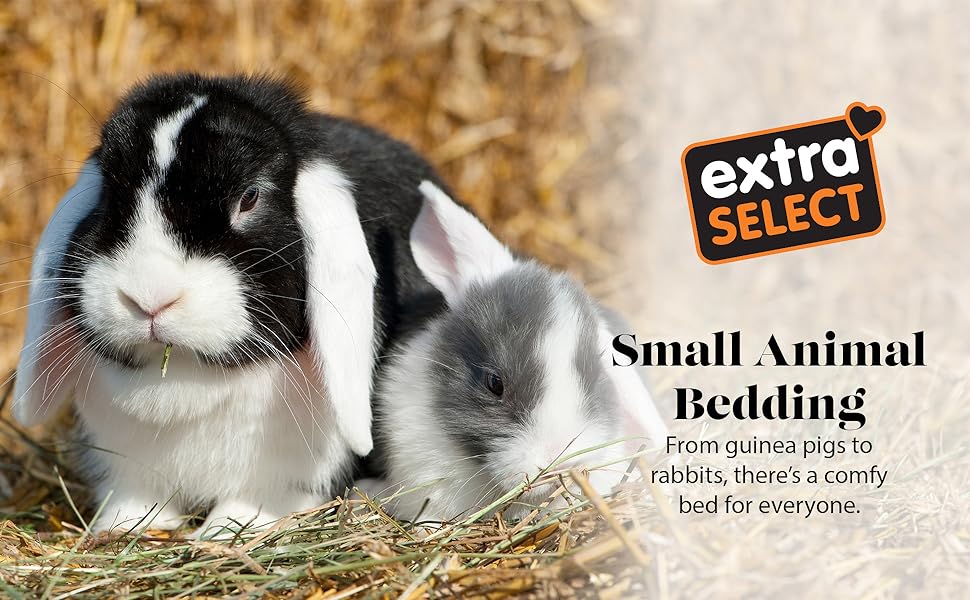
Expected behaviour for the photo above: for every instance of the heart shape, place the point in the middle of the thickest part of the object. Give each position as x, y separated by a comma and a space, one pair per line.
864, 121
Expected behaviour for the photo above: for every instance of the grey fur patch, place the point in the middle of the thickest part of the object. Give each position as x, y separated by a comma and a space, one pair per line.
499, 327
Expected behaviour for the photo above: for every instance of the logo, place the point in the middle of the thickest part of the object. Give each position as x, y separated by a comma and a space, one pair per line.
786, 188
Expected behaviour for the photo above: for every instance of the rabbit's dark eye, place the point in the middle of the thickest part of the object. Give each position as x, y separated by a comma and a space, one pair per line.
248, 200
494, 384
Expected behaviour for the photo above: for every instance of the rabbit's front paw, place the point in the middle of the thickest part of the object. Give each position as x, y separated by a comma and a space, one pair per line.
229, 517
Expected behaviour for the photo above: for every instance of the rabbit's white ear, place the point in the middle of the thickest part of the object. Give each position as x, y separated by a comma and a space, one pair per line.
51, 344
453, 248
341, 279
638, 413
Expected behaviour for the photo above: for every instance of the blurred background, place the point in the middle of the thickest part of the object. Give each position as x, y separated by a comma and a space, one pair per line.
562, 124
707, 69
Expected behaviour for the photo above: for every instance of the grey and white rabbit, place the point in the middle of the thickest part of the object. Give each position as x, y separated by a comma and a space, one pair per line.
512, 376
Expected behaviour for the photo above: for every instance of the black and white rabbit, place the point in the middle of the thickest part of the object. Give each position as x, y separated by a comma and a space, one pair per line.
268, 245
514, 375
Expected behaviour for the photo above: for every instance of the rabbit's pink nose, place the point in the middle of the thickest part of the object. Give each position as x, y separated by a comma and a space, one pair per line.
148, 308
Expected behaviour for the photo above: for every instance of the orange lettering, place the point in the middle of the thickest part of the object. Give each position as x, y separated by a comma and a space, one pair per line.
793, 213
850, 191
770, 227
745, 221
817, 215
717, 223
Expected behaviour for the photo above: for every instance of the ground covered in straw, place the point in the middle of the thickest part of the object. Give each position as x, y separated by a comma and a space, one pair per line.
348, 548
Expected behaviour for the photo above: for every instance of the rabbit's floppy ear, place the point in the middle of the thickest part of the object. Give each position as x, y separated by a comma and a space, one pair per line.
341, 279
637, 409
452, 248
51, 344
